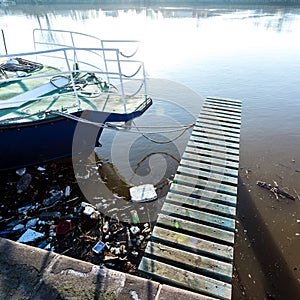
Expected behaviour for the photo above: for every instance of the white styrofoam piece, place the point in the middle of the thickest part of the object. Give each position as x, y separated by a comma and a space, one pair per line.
145, 192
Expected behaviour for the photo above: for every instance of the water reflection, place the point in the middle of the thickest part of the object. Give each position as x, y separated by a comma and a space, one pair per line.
270, 17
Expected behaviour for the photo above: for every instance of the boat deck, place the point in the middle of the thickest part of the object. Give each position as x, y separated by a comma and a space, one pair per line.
192, 243
51, 98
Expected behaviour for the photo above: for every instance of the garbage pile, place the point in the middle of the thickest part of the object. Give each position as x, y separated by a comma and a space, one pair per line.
43, 207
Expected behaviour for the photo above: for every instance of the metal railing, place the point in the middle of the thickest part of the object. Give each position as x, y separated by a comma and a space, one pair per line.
71, 59
53, 38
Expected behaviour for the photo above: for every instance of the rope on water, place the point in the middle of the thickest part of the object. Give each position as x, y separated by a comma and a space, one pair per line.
137, 130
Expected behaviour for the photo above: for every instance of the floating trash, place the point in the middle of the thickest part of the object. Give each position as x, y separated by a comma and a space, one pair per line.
24, 209
56, 196
23, 183
30, 236
98, 247
105, 227
63, 227
21, 172
134, 230
73, 227
32, 223
41, 169
51, 215
143, 193
135, 217
42, 245
18, 227
67, 191
88, 210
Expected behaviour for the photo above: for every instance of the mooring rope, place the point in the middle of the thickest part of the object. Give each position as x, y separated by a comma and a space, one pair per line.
137, 129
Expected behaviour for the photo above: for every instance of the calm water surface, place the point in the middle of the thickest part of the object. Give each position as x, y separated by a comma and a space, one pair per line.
248, 53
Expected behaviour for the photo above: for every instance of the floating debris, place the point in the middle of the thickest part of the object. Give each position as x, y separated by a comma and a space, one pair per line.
63, 227
32, 223
30, 236
71, 226
18, 227
98, 247
143, 193
24, 209
51, 215
21, 172
134, 230
67, 191
135, 217
275, 190
23, 183
88, 210
105, 227
56, 196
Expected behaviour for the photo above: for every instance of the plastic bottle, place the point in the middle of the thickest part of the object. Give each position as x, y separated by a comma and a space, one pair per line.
105, 227
135, 217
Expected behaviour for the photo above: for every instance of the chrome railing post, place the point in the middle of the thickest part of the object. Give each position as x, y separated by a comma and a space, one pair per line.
121, 79
105, 62
72, 77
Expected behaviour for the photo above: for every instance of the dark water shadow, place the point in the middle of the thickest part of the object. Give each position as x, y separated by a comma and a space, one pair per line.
273, 264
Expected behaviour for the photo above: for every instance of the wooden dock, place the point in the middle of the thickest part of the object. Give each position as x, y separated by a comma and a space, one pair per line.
192, 243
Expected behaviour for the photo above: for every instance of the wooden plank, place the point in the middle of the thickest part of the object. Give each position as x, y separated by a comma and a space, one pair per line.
216, 130
212, 112
221, 113
206, 174
211, 160
222, 107
205, 184
220, 119
191, 261
202, 120
193, 244
221, 138
235, 131
205, 194
211, 153
208, 141
215, 208
186, 279
225, 99
235, 102
216, 148
209, 168
199, 216
192, 228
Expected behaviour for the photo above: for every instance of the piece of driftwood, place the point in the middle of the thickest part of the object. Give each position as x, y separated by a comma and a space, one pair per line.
275, 190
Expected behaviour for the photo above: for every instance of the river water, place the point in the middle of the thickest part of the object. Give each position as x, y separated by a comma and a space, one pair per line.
247, 53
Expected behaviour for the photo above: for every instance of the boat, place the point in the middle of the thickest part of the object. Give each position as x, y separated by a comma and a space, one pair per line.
56, 99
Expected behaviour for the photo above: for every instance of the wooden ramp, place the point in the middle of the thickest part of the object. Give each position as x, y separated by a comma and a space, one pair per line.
192, 243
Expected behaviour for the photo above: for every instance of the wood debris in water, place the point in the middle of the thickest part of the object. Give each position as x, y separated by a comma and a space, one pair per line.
275, 190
